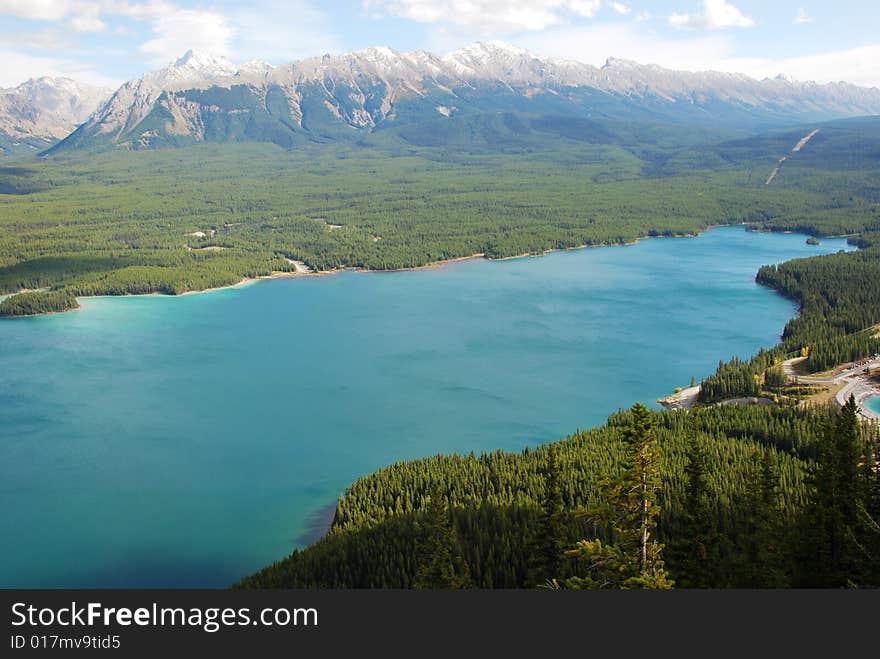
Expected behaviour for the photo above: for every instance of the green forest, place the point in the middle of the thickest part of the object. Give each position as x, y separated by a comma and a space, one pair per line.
721, 496
34, 303
839, 320
176, 220
747, 497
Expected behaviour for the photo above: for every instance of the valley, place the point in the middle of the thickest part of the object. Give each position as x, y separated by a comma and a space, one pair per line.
241, 412
124, 223
161, 439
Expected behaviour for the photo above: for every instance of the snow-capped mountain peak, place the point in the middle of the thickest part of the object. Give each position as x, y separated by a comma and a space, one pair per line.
192, 67
48, 107
204, 63
371, 87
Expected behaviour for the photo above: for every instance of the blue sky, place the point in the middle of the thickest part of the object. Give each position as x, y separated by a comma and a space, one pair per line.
108, 41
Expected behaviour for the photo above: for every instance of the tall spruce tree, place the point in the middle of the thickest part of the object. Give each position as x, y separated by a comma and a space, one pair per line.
837, 525
627, 511
696, 547
759, 553
550, 539
440, 563
872, 486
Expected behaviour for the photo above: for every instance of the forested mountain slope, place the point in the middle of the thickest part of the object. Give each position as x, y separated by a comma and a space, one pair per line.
738, 497
37, 113
427, 99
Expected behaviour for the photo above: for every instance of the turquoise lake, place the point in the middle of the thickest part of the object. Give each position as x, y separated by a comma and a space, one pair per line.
873, 404
185, 442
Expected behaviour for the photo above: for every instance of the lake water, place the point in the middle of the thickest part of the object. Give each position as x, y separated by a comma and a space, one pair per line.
155, 441
873, 404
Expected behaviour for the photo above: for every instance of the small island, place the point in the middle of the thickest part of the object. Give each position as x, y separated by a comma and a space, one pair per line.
812, 240
32, 303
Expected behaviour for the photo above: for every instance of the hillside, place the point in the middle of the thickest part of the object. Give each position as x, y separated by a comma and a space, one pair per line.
420, 96
39, 112
756, 495
122, 222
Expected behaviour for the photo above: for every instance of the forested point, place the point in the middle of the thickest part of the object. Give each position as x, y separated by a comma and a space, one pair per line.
33, 303
176, 220
725, 496
839, 300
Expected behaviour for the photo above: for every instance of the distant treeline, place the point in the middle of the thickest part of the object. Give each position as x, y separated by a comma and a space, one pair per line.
38, 302
121, 222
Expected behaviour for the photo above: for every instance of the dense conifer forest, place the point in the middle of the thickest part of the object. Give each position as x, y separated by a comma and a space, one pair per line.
177, 220
722, 496
839, 320
38, 302
739, 497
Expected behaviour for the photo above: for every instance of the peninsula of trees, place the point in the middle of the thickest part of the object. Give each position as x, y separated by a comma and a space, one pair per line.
34, 303
748, 497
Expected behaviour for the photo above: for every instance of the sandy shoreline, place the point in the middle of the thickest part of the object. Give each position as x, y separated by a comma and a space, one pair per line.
304, 271
681, 400
849, 379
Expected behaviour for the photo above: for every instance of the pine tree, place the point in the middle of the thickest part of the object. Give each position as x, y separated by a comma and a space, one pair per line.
696, 549
548, 545
838, 524
440, 563
627, 510
872, 487
759, 552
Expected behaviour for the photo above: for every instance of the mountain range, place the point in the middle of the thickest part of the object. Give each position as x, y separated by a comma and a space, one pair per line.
39, 112
482, 92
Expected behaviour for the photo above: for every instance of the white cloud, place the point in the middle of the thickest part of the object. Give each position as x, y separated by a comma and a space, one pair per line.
802, 17
855, 65
594, 44
87, 20
716, 14
261, 35
182, 29
79, 15
620, 8
279, 30
486, 16
44, 40
264, 28
18, 67
38, 10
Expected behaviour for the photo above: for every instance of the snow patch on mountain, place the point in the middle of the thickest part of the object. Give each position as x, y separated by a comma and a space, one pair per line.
364, 88
47, 107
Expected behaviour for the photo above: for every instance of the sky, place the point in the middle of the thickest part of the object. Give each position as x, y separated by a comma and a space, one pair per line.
106, 42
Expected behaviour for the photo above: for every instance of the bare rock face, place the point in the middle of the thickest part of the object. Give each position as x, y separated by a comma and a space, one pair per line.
37, 113
48, 107
206, 98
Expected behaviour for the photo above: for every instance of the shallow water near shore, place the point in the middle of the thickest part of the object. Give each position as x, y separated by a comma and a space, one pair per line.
185, 442
873, 404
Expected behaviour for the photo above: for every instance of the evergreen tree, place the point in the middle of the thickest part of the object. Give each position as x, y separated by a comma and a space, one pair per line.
760, 547
696, 549
440, 563
627, 511
838, 526
548, 545
872, 486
